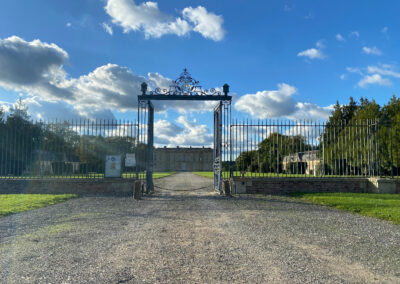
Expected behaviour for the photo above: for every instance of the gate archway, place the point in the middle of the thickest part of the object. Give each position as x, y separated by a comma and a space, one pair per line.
185, 88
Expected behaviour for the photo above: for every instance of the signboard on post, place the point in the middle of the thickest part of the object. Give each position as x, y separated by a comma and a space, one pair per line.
130, 160
113, 166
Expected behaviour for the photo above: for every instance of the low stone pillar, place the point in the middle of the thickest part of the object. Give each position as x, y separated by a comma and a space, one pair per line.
382, 185
137, 189
226, 187
143, 188
232, 186
152, 189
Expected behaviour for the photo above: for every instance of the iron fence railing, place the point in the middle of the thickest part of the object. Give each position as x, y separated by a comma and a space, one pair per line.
64, 149
269, 148
275, 148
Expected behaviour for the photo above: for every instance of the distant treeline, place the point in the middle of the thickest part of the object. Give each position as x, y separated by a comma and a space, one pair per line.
37, 148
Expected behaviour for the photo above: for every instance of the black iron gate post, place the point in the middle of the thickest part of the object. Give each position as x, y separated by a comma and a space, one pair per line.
217, 161
150, 149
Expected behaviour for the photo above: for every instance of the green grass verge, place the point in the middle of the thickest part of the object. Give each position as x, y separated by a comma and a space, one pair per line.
275, 175
160, 175
381, 206
84, 176
205, 174
14, 203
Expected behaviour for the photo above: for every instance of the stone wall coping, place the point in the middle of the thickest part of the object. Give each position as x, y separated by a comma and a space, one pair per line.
298, 179
72, 180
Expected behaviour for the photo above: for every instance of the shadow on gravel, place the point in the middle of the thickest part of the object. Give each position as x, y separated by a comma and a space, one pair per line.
243, 202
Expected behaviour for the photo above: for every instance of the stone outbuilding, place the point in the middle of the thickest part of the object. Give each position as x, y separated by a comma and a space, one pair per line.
302, 163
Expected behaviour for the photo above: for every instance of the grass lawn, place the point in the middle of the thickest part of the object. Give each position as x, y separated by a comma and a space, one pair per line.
205, 174
272, 175
84, 176
14, 203
382, 206
160, 175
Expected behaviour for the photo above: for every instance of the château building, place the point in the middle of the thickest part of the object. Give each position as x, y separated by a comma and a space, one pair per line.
183, 159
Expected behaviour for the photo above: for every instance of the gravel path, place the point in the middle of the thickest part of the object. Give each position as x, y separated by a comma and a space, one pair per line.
187, 233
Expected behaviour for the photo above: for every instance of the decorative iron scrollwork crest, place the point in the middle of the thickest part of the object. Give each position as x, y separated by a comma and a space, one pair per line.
185, 85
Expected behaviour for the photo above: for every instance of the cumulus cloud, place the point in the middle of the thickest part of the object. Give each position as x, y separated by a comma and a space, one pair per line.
354, 34
190, 133
36, 68
266, 104
384, 69
371, 50
107, 28
32, 66
209, 25
280, 103
339, 37
148, 18
314, 53
311, 112
374, 79
375, 74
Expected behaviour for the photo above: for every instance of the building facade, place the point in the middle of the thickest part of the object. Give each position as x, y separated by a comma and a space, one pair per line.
183, 159
302, 163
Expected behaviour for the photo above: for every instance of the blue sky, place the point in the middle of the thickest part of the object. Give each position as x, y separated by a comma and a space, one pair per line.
282, 59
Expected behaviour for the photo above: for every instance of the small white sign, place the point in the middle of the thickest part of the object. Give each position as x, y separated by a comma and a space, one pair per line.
130, 160
113, 166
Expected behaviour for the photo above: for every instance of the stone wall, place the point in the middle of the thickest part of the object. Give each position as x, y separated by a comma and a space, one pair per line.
115, 187
314, 185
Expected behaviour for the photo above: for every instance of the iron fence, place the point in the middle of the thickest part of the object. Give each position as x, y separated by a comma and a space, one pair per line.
274, 148
65, 149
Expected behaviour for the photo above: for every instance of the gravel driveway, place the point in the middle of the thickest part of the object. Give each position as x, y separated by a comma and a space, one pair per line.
187, 233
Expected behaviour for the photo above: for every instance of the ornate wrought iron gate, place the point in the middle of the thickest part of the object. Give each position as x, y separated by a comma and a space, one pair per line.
145, 143
183, 88
222, 143
217, 165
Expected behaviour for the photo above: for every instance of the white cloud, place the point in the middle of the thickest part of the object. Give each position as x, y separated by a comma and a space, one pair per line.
314, 53
266, 104
33, 67
190, 133
311, 112
373, 74
209, 25
36, 69
147, 17
384, 69
343, 77
374, 79
107, 28
371, 50
68, 25
339, 37
354, 34
280, 103
354, 70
